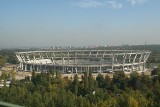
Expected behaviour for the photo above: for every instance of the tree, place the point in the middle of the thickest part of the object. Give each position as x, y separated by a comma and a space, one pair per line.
3, 60
92, 83
85, 83
134, 81
132, 102
155, 71
107, 82
100, 80
3, 75
37, 100
33, 75
75, 85
119, 80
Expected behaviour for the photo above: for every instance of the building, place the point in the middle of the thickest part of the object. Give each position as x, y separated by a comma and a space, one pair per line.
78, 61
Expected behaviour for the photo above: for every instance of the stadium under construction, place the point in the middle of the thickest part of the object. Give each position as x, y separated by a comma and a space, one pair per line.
79, 61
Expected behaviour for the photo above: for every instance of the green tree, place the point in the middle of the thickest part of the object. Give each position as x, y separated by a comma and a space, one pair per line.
119, 80
107, 82
134, 81
132, 102
75, 84
100, 80
3, 60
37, 100
3, 75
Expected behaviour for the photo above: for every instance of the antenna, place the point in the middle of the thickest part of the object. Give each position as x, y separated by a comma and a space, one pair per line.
145, 45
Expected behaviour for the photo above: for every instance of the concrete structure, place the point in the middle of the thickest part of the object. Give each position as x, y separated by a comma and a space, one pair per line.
78, 61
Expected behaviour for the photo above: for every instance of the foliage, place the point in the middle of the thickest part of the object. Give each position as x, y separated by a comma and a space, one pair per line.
3, 60
46, 90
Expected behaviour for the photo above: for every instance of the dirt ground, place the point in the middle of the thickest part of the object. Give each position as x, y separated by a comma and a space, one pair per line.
17, 73
21, 74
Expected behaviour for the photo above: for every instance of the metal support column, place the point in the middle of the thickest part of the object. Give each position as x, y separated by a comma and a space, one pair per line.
112, 61
22, 66
81, 69
31, 69
76, 70
37, 68
25, 67
124, 60
72, 69
100, 69
140, 62
144, 66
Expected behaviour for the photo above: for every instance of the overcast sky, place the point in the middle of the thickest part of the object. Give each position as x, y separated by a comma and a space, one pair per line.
36, 23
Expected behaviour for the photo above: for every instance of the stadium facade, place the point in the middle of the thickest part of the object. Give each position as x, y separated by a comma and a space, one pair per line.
78, 61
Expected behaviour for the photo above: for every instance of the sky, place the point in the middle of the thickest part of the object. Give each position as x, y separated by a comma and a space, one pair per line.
45, 23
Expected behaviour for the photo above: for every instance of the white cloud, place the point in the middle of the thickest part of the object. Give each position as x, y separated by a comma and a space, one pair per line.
114, 4
99, 3
134, 2
95, 3
88, 4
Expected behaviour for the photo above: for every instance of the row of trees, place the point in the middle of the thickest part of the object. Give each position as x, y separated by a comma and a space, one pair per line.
51, 90
8, 56
154, 57
3, 60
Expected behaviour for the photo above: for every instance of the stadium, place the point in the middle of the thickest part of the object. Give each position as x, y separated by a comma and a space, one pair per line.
79, 61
